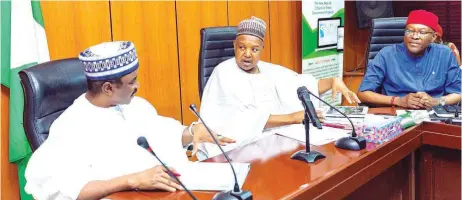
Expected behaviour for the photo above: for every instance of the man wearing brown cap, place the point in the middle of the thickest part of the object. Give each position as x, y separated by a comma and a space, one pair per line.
415, 74
244, 96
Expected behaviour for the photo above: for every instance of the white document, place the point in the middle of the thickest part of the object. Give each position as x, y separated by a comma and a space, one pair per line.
317, 136
212, 176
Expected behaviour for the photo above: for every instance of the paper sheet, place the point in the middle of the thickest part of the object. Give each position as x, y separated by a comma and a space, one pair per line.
212, 176
317, 136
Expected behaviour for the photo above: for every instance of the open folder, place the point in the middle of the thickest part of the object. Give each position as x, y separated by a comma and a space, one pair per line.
212, 176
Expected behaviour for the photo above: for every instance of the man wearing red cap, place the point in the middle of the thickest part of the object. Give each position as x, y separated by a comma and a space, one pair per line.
416, 73
452, 46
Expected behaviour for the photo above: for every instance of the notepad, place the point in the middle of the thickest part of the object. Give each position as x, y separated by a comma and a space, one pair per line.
212, 176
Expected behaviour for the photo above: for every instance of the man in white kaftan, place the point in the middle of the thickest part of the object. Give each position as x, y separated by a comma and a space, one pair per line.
92, 143
92, 149
245, 97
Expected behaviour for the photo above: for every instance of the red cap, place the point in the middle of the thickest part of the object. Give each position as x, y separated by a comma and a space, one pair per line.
439, 31
423, 17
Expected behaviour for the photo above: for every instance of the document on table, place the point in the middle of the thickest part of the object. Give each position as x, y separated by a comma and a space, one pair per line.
212, 176
317, 136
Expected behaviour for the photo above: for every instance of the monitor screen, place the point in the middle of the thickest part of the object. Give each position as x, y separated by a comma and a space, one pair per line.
327, 32
340, 38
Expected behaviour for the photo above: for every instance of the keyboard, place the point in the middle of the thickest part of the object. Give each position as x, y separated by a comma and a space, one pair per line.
452, 108
447, 110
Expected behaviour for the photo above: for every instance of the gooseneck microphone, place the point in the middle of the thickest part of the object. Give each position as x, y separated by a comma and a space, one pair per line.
352, 142
236, 193
456, 114
142, 142
310, 114
304, 96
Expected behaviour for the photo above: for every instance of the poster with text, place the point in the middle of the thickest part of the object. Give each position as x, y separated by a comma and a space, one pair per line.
322, 40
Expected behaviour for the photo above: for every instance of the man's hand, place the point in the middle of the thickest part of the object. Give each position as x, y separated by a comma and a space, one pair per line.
339, 86
427, 100
320, 115
300, 115
154, 178
411, 100
202, 135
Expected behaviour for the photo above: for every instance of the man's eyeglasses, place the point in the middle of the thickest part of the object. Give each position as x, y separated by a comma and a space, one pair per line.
419, 34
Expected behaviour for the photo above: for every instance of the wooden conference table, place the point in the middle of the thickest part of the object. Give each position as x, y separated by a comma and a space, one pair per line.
424, 162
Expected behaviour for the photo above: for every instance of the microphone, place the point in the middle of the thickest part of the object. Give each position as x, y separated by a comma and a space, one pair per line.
456, 114
142, 142
352, 142
236, 193
304, 96
310, 114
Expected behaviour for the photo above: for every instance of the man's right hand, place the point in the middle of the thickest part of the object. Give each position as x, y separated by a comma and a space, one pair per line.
154, 178
411, 100
300, 115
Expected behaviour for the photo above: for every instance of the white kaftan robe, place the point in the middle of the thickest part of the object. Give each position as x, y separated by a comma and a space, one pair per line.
237, 104
89, 143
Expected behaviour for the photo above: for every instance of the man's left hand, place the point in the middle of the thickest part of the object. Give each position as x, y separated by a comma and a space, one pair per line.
339, 86
427, 100
201, 135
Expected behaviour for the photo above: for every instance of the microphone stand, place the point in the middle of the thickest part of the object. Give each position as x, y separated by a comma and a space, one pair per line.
307, 155
353, 142
236, 193
144, 143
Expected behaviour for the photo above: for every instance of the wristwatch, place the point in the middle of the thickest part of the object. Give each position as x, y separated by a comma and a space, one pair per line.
441, 101
190, 128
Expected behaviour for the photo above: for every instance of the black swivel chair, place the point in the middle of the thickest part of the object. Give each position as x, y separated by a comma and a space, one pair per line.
384, 32
216, 47
49, 88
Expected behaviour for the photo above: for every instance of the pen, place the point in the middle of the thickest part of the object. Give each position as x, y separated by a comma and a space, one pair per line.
176, 174
334, 125
173, 173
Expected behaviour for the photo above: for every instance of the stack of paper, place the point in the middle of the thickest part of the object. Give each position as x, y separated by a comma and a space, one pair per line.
212, 176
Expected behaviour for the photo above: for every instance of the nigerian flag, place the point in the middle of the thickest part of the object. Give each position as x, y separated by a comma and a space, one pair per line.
23, 44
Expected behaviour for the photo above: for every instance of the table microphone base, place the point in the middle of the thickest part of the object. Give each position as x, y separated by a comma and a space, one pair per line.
351, 143
309, 157
229, 195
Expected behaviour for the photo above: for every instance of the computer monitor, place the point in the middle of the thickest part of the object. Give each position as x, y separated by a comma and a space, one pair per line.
327, 32
340, 38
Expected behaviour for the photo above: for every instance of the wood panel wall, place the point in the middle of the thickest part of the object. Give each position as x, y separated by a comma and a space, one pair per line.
9, 172
285, 34
73, 26
355, 46
207, 14
355, 40
151, 26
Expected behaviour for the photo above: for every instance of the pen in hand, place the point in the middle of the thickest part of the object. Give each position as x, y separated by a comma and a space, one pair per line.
176, 174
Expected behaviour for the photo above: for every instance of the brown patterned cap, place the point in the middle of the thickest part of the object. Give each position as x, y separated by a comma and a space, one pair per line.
253, 26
